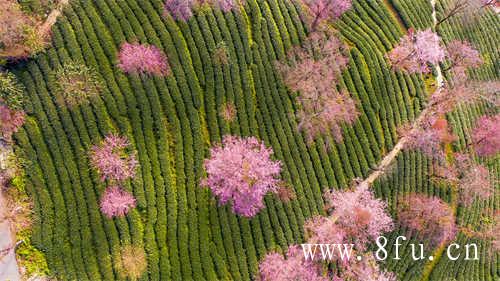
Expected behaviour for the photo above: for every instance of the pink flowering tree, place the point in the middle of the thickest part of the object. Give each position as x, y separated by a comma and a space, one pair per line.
274, 267
241, 172
111, 159
314, 72
416, 51
462, 55
358, 216
137, 58
179, 9
430, 217
429, 137
471, 179
322, 11
485, 135
116, 202
10, 121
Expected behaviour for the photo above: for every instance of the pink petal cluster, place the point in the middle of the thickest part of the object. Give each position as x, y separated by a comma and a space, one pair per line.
361, 217
179, 9
241, 172
314, 71
430, 217
416, 51
143, 59
462, 56
116, 202
486, 135
324, 10
274, 267
10, 121
111, 159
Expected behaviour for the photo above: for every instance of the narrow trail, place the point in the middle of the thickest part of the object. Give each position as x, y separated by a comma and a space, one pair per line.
9, 269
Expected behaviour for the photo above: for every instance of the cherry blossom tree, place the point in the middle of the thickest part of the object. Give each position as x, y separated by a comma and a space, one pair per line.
10, 121
429, 137
130, 261
360, 217
462, 55
485, 135
326, 10
430, 217
274, 267
416, 51
241, 172
143, 59
471, 178
116, 202
314, 71
179, 9
111, 159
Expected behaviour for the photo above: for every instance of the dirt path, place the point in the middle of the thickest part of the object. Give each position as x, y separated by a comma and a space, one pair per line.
8, 264
51, 19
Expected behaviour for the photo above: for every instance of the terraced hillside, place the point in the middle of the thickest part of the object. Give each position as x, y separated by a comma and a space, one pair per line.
173, 121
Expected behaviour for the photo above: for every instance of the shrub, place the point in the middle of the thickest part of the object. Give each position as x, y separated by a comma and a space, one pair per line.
11, 91
228, 112
76, 83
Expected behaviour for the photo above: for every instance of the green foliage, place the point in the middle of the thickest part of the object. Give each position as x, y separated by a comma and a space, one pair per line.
11, 91
76, 83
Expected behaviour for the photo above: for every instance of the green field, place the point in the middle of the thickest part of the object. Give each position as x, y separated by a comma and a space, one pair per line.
173, 121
